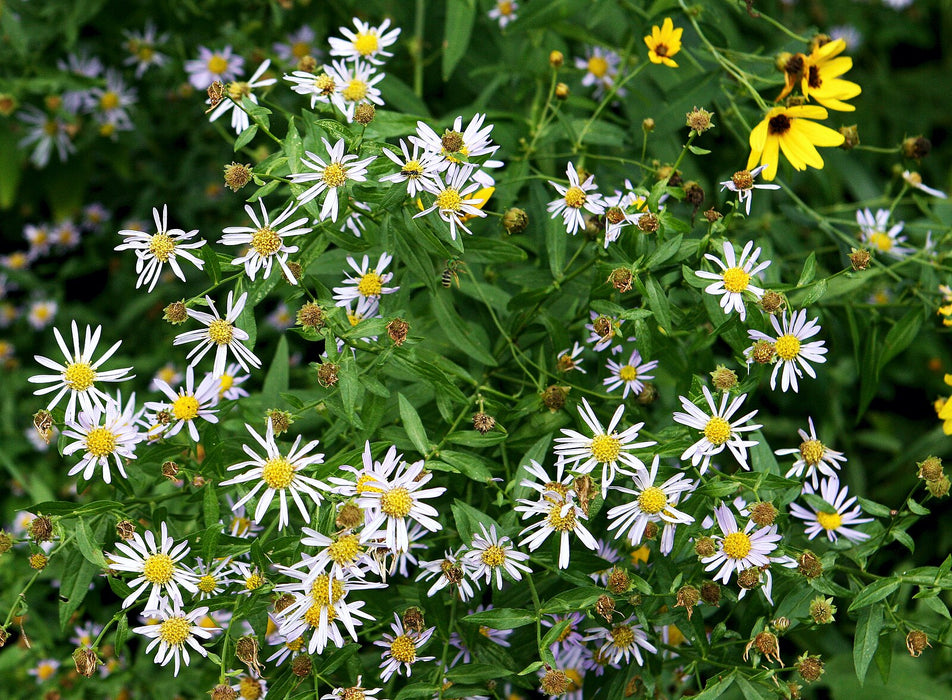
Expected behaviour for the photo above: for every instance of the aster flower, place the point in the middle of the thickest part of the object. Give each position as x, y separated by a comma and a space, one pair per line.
367, 43
320, 87
238, 90
876, 233
66, 235
84, 66
164, 246
79, 375
560, 514
248, 576
605, 447
622, 641
142, 48
44, 670
601, 69
742, 183
452, 570
623, 209
330, 176
734, 278
356, 84
158, 565
356, 691
221, 334
265, 240
113, 435
717, 429
814, 457
39, 239
347, 552
371, 470
299, 44
39, 315
278, 474
174, 632
368, 283
457, 200
915, 180
186, 405
568, 359
738, 550
212, 577
602, 331
464, 654
415, 169
504, 11
401, 648
791, 350
112, 102
664, 42
571, 640
490, 554
791, 130
573, 199
213, 65
630, 375
473, 142
832, 523
230, 383
47, 133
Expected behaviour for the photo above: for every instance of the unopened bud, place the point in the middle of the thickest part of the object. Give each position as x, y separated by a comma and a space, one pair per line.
556, 59
916, 642
699, 120
859, 259
515, 220
647, 125
723, 379
365, 113
781, 624
483, 422
38, 561
809, 565
237, 176
930, 469
561, 91
397, 329
280, 420
327, 374
822, 610
175, 313
850, 137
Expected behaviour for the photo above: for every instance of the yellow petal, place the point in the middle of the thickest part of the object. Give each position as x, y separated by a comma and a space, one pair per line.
771, 157
668, 62
799, 143
818, 134
804, 112
758, 135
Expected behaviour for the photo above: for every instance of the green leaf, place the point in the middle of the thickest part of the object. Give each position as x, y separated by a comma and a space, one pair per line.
350, 388
468, 464
531, 668
914, 507
85, 541
277, 379
658, 303
244, 138
664, 252
210, 506
413, 425
809, 270
335, 131
751, 691
554, 633
556, 240
460, 16
698, 151
501, 618
457, 331
472, 438
213, 267
78, 573
868, 625
900, 336
122, 633
874, 592
573, 600
715, 690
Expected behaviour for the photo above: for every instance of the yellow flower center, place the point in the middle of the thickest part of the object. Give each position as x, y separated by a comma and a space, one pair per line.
295, 644
370, 285
366, 43
220, 331
735, 279
313, 615
254, 582
597, 66
344, 550
207, 583
882, 241
175, 631
249, 688
277, 473
628, 373
239, 526
109, 100
736, 545
266, 241
787, 347
227, 381
575, 197
355, 91
812, 452
559, 522
79, 376
158, 568
605, 448
623, 637
717, 430
335, 175
403, 649
652, 500
45, 671
325, 84
829, 521
362, 487
493, 556
396, 503
565, 633
162, 246
743, 180
449, 200
324, 596
217, 64
412, 169
300, 49
575, 677
238, 89
185, 407
100, 442
145, 53
504, 7
353, 319
50, 128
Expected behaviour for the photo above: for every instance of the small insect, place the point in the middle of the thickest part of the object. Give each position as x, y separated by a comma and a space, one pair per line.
450, 275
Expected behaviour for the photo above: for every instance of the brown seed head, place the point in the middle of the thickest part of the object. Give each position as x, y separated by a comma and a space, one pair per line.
621, 278
163, 416
301, 666
916, 147
859, 259
175, 313
280, 420
649, 394
125, 529
284, 602
515, 220
555, 682
216, 93
605, 606
809, 667
711, 593
170, 470
327, 374
483, 422
780, 624
699, 120
41, 529
43, 424
556, 59
763, 513
603, 326
585, 489
762, 352
723, 379
648, 125
413, 620
246, 649
553, 398
648, 222
749, 579
397, 329
651, 531
562, 91
307, 64
767, 644
3, 637
38, 561
223, 691
237, 176
705, 547
916, 642
772, 302
693, 194
930, 468
688, 597
311, 315
349, 516
809, 565
86, 661
938, 488
297, 272
822, 610
8, 104
712, 215
850, 137
619, 581
452, 141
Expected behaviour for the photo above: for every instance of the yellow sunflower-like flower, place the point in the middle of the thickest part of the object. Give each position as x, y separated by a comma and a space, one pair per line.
664, 43
790, 130
821, 78
943, 409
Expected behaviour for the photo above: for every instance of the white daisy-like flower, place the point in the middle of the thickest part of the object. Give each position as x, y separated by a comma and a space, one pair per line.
330, 176
347, 552
573, 199
248, 576
111, 102
82, 65
791, 350
734, 278
832, 523
104, 434
474, 141
286, 647
39, 315
221, 334
368, 283
321, 87
371, 470
739, 550
174, 632
352, 692
452, 570
415, 169
279, 474
298, 45
230, 383
568, 359
622, 641
367, 43
265, 240
560, 514
623, 209
39, 238
363, 309
489, 554
213, 65
742, 182
915, 180
398, 499
875, 234
605, 447
356, 84
44, 670
718, 430
454, 201
66, 235
164, 246
401, 559
630, 375
142, 48
814, 457
601, 69
158, 565
401, 649
79, 374
46, 132
186, 406
504, 12
651, 504
236, 91
212, 577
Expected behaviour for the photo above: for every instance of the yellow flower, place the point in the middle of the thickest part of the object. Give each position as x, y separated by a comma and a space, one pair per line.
821, 77
943, 409
789, 129
664, 43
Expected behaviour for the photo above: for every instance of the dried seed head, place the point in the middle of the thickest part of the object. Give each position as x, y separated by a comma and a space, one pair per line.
810, 667
649, 394
562, 91
859, 259
585, 490
216, 93
223, 691
850, 137
723, 379
170, 470
916, 147
593, 227
693, 194
41, 529
556, 59
296, 271
246, 649
711, 593
3, 637
648, 125
43, 424
483, 422
555, 682
794, 690
688, 597
822, 610
311, 315
349, 516
619, 581
327, 374
284, 602
605, 606
397, 329
86, 661
175, 313
603, 326
743, 180
938, 488
705, 547
930, 469
767, 644
621, 279
307, 64
354, 693
809, 565
772, 302
648, 222
6, 541
237, 176
699, 120
413, 620
916, 642
780, 624
301, 664
651, 531
515, 220
762, 352
749, 579
163, 417
8, 104
635, 688
280, 420
763, 513
38, 561
452, 141
125, 529
365, 113
712, 215
554, 397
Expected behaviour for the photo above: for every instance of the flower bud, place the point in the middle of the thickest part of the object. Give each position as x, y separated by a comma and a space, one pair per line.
916, 642
916, 147
38, 561
699, 120
561, 91
850, 137
648, 125
930, 469
175, 313
515, 220
553, 398
8, 104
723, 379
859, 259
280, 420
780, 624
822, 610
237, 176
311, 315
809, 565
556, 59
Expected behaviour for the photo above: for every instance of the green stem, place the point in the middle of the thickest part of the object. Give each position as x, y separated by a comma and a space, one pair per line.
419, 25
